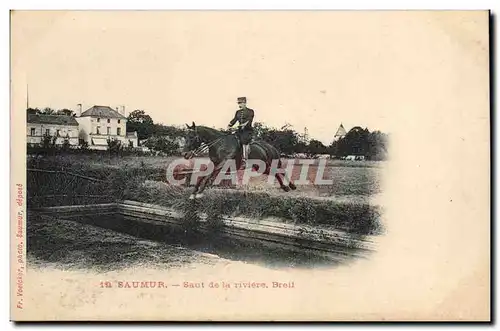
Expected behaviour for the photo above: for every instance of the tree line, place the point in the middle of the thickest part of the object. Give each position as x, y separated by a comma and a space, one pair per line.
358, 141
51, 111
167, 139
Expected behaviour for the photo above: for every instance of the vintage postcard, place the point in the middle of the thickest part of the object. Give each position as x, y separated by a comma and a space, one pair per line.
250, 166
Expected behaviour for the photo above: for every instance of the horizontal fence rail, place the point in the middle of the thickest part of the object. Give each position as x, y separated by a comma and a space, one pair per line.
59, 187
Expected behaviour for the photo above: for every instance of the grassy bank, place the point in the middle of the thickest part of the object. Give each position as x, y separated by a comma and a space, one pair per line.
353, 217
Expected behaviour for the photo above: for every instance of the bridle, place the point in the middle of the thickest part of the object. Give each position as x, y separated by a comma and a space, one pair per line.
203, 146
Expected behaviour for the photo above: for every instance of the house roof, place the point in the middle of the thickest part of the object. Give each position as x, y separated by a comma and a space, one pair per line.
52, 119
103, 112
341, 131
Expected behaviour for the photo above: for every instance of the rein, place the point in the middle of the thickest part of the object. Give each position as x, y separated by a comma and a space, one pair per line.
204, 147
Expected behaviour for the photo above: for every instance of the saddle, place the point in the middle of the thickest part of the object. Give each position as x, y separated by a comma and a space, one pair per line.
236, 134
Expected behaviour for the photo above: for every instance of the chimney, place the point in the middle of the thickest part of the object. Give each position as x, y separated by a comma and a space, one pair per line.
123, 109
79, 109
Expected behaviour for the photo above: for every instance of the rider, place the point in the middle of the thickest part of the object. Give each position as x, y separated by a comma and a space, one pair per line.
244, 116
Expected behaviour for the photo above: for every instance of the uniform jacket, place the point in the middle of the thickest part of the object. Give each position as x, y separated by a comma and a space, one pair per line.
242, 116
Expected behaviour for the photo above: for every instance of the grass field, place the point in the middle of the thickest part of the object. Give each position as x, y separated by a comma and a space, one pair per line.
350, 178
345, 204
163, 161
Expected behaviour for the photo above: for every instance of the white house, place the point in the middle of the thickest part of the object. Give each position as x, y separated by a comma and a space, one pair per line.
61, 126
100, 123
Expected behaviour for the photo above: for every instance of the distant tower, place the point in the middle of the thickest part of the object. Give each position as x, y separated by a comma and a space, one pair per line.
340, 133
306, 135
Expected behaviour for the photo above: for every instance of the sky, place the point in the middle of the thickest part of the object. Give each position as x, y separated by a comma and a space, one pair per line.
308, 69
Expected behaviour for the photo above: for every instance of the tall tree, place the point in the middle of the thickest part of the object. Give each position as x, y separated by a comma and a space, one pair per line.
316, 147
357, 141
33, 111
141, 122
377, 142
301, 147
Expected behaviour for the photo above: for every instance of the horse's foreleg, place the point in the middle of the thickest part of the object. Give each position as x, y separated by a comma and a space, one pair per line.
194, 191
195, 188
201, 186
197, 185
208, 180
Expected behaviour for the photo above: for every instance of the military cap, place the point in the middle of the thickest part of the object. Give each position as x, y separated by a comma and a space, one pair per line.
242, 99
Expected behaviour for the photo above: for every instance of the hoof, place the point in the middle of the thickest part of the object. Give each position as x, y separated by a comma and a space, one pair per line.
285, 188
292, 186
191, 197
199, 195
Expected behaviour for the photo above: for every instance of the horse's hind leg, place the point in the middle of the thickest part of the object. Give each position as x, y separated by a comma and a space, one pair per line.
280, 181
291, 184
289, 181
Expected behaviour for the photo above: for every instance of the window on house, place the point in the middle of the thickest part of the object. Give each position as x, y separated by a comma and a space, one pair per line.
98, 119
98, 130
33, 131
118, 121
119, 131
47, 132
109, 121
109, 130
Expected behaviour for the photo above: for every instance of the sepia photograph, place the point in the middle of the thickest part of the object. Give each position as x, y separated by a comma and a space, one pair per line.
249, 165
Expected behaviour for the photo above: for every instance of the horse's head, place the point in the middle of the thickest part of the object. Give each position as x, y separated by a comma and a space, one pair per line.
193, 141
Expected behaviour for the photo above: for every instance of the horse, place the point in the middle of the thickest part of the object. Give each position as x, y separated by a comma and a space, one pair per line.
223, 147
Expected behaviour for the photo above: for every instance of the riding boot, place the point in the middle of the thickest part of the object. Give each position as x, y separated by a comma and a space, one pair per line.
245, 156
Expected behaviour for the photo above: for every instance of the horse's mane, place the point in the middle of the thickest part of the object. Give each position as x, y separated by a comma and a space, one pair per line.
211, 130
220, 133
